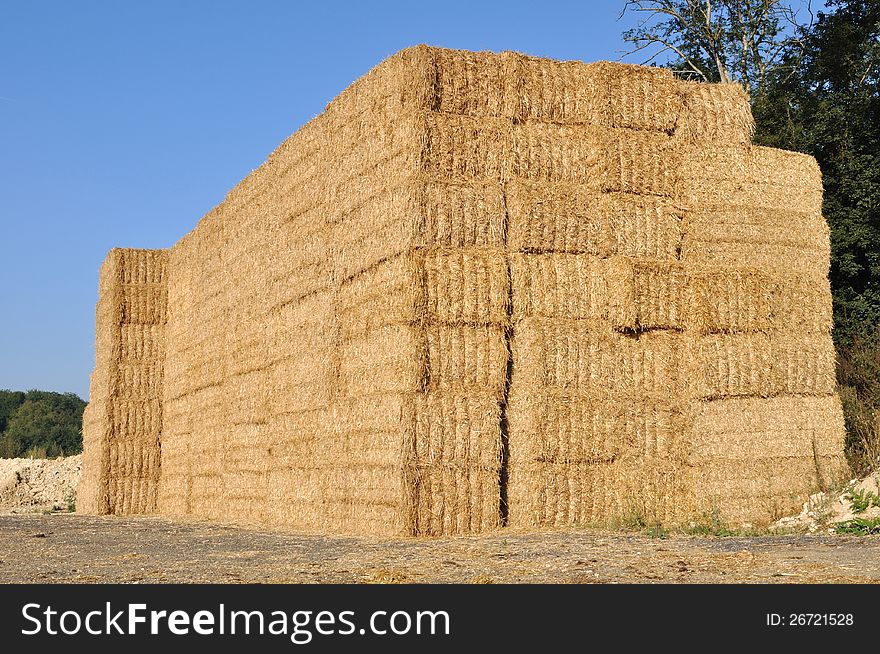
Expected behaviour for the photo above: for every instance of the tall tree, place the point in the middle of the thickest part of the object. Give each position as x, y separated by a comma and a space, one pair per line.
719, 40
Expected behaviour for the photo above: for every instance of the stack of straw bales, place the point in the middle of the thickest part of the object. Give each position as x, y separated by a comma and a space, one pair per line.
122, 422
489, 288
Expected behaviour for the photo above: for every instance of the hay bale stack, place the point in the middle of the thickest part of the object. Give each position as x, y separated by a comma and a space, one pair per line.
483, 288
122, 423
656, 271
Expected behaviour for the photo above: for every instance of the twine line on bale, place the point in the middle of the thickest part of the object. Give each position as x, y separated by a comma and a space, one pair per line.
481, 289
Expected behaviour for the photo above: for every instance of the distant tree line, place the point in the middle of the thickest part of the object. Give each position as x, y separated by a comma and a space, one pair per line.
814, 80
40, 424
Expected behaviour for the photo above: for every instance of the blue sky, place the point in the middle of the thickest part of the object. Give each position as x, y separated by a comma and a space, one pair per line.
122, 123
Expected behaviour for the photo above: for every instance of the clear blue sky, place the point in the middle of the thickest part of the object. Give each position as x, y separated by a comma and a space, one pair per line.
122, 123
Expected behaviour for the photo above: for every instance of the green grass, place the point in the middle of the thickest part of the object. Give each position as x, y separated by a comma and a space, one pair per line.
859, 527
862, 500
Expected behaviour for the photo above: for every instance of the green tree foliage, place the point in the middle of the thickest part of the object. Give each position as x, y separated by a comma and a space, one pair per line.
40, 421
748, 41
9, 402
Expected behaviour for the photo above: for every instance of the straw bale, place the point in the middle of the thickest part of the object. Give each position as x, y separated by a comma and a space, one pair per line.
560, 153
456, 428
141, 342
467, 285
470, 83
763, 365
556, 217
581, 355
751, 176
603, 93
552, 426
744, 429
460, 148
390, 359
572, 286
713, 299
386, 294
567, 217
642, 162
461, 214
769, 239
466, 357
719, 113
643, 226
549, 494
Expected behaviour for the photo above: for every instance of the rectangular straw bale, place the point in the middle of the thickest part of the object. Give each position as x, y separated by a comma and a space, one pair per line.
551, 426
567, 217
580, 286
137, 380
751, 176
661, 293
559, 153
144, 304
298, 382
452, 500
461, 213
546, 494
466, 357
386, 294
602, 93
760, 237
470, 83
556, 217
641, 162
583, 356
458, 428
777, 427
405, 80
304, 266
644, 226
802, 303
374, 430
460, 148
732, 300
247, 395
467, 285
719, 113
760, 491
763, 365
390, 359
141, 342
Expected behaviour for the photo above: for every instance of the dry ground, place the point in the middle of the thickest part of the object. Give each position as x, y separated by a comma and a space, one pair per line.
75, 548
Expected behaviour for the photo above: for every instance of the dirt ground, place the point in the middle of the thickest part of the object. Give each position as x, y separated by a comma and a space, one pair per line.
77, 549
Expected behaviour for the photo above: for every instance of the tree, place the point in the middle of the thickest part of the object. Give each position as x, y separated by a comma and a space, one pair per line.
719, 41
44, 422
9, 402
